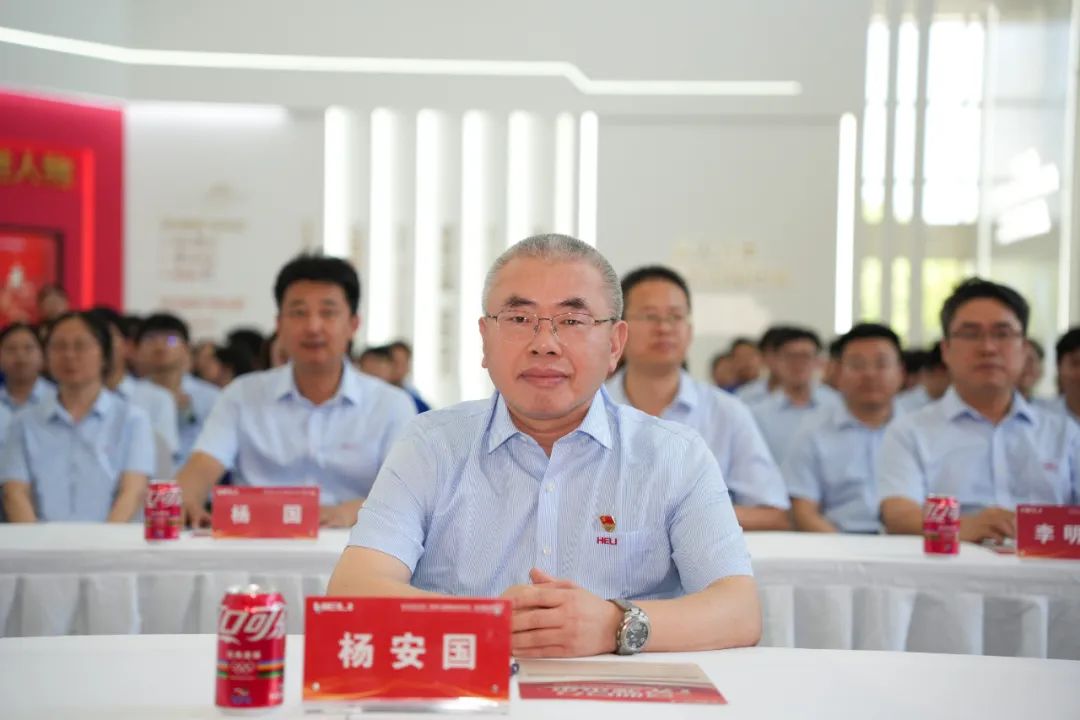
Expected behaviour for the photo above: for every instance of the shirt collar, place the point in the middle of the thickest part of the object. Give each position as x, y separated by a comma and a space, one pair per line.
842, 418
103, 403
954, 407
595, 424
283, 384
817, 399
126, 387
686, 395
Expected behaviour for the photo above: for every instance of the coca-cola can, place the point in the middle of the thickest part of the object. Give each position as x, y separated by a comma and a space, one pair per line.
162, 512
251, 649
941, 525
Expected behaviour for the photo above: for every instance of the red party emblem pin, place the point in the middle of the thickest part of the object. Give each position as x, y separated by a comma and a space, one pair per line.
608, 522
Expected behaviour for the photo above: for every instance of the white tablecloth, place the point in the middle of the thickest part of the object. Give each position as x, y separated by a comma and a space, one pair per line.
818, 591
173, 677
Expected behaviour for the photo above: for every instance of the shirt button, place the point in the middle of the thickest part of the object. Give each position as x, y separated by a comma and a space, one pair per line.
547, 551
550, 487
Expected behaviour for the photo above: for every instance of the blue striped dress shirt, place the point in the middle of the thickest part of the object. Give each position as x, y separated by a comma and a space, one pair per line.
730, 431
627, 505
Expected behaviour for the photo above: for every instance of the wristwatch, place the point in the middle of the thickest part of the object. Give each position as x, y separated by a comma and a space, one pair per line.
633, 632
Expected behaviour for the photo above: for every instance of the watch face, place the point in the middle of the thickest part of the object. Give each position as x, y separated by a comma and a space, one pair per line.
637, 634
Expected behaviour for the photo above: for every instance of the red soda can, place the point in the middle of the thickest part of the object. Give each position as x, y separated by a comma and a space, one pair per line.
941, 525
162, 512
251, 649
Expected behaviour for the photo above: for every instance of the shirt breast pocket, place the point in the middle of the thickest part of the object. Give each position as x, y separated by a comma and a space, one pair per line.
1042, 482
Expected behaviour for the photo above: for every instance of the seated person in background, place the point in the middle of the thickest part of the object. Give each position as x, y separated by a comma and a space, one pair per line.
932, 384
156, 402
982, 443
831, 468
798, 395
723, 372
657, 311
376, 362
554, 496
250, 341
85, 454
204, 363
829, 377
745, 360
762, 386
1067, 352
232, 361
401, 355
21, 362
913, 363
273, 354
162, 353
313, 421
52, 302
1032, 373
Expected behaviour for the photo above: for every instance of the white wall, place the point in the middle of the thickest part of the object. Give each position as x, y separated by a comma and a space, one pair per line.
745, 210
215, 204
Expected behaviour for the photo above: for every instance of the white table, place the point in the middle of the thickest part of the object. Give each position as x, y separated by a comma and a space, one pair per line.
818, 591
171, 677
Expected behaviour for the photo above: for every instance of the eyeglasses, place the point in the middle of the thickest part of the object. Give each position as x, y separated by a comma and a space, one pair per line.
876, 366
570, 327
78, 347
673, 319
166, 338
997, 335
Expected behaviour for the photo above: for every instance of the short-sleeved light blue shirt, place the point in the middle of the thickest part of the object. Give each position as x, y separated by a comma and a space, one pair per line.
779, 419
912, 399
469, 504
833, 462
190, 421
159, 406
1056, 405
731, 434
42, 390
264, 430
948, 448
753, 391
74, 468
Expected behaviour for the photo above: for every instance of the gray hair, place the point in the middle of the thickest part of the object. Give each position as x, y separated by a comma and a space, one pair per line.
559, 248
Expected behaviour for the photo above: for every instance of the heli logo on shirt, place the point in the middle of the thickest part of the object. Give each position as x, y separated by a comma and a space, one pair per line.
608, 523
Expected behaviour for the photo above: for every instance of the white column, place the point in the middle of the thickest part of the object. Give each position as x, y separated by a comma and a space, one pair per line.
588, 166
565, 190
390, 244
481, 174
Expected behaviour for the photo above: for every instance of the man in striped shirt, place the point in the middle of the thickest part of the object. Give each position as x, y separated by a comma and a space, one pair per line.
552, 495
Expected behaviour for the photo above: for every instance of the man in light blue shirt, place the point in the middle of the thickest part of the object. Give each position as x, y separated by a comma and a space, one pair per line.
552, 495
982, 442
831, 466
657, 310
313, 421
798, 395
162, 354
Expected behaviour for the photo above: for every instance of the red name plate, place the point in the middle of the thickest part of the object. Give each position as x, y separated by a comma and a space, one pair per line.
1049, 531
265, 512
396, 650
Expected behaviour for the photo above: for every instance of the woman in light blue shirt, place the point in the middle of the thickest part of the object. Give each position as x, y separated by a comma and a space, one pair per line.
84, 455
